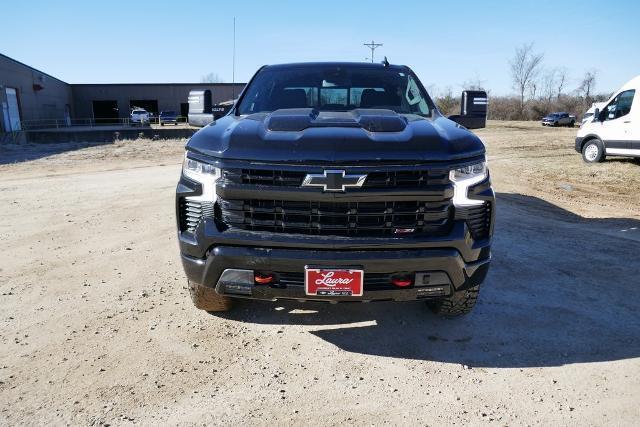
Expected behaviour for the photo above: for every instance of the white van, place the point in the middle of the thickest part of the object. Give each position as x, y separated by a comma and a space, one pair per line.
586, 117
615, 129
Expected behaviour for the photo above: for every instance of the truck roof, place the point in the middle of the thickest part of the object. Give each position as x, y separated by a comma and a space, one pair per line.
364, 65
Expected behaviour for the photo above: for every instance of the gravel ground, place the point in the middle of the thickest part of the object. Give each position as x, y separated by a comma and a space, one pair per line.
96, 326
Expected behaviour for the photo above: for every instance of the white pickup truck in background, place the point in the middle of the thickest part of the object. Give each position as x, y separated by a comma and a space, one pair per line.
139, 116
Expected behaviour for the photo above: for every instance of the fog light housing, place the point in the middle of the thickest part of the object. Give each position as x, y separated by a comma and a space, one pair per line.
234, 281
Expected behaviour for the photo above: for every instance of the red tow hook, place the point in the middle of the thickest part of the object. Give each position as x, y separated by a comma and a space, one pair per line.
402, 281
263, 278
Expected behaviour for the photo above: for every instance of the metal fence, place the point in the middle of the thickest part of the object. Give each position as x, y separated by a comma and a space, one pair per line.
92, 122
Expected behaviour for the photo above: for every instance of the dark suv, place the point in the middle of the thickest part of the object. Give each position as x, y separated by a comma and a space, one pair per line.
335, 182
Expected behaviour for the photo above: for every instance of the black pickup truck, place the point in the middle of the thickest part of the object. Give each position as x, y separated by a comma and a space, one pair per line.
337, 182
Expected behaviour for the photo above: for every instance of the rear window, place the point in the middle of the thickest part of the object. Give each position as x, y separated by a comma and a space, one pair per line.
336, 88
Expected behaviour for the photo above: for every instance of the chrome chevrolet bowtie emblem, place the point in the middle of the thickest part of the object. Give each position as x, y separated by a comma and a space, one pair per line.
333, 180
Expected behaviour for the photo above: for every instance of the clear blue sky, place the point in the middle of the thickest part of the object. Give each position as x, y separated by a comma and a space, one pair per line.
445, 42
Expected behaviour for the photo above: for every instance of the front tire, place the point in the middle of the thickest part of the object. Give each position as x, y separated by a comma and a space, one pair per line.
458, 304
593, 151
208, 299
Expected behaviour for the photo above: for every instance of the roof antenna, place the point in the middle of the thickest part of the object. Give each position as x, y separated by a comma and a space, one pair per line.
233, 61
385, 62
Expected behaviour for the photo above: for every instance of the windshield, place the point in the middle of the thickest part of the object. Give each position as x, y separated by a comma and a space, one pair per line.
139, 112
335, 88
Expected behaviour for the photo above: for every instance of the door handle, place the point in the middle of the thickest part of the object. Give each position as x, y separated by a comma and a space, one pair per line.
627, 121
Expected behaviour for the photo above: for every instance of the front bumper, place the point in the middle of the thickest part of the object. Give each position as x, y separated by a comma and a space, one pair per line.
445, 266
459, 258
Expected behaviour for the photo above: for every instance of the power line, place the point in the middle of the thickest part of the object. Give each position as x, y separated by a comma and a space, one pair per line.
373, 46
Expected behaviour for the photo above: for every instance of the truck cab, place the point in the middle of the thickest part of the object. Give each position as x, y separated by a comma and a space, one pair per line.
615, 128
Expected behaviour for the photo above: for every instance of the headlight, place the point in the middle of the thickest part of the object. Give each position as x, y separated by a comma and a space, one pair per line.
199, 171
205, 174
465, 177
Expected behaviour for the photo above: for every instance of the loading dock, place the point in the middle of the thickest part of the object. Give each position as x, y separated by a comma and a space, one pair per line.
105, 111
150, 105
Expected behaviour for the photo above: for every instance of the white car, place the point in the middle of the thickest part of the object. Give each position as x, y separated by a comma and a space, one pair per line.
587, 116
139, 116
615, 128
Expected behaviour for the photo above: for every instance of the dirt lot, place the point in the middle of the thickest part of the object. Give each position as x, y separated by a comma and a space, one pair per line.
96, 326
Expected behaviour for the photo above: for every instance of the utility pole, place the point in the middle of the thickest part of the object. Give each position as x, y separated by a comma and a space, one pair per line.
373, 46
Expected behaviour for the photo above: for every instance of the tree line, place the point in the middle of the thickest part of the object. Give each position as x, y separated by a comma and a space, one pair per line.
539, 90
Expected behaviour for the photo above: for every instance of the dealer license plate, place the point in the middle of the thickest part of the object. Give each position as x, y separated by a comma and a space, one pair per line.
333, 282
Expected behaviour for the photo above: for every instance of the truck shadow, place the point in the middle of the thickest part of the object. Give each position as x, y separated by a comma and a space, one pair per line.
562, 289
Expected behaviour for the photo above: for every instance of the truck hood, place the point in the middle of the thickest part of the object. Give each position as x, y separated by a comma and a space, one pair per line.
306, 136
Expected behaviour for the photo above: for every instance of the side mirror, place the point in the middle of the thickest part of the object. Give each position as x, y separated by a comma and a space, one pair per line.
473, 110
596, 116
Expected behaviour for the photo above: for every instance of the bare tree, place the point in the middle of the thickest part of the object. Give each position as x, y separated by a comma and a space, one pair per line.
588, 84
548, 82
561, 80
533, 89
211, 78
525, 68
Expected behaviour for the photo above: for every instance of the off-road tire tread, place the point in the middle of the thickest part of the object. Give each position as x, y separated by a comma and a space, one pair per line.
460, 303
208, 299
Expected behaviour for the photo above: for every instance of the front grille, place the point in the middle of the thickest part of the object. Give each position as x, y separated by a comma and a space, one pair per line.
338, 218
277, 178
406, 179
372, 281
389, 179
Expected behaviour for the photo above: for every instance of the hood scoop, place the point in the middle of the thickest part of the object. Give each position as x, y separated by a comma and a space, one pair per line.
299, 119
